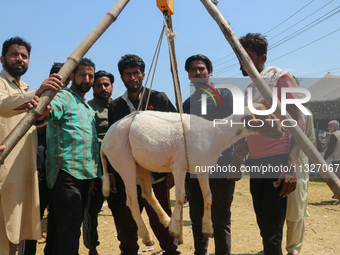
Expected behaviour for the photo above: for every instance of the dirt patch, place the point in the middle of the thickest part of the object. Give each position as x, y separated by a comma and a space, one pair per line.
322, 226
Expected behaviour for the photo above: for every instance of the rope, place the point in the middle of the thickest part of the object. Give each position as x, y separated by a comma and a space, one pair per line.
154, 70
156, 55
171, 35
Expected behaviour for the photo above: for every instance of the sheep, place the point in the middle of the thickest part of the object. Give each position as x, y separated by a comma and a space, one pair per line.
154, 141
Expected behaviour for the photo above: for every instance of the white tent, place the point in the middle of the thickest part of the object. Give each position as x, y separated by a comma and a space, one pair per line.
326, 89
325, 100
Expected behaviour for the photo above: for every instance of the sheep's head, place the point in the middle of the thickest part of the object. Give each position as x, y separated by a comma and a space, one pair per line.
265, 125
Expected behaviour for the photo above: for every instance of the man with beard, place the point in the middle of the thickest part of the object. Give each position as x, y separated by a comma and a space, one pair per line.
102, 91
72, 156
19, 192
131, 69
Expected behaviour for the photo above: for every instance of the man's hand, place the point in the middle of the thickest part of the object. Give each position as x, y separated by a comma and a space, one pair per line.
289, 183
45, 113
29, 105
51, 83
33, 103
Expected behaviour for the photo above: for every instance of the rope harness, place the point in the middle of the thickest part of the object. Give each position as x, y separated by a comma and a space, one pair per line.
170, 37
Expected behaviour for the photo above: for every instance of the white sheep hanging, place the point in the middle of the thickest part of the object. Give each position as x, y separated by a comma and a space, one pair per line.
154, 141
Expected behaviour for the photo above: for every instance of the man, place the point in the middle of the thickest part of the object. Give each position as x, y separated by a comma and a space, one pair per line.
269, 192
297, 200
199, 69
131, 69
102, 91
19, 194
72, 156
28, 247
333, 147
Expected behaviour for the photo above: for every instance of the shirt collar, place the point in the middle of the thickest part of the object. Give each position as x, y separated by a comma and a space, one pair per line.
11, 79
100, 101
8, 76
76, 95
125, 96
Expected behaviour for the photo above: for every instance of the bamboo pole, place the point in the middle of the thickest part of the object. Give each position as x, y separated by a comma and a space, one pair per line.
178, 96
173, 64
72, 61
299, 136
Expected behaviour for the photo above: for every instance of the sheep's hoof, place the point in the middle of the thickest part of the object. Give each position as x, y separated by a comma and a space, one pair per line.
208, 232
180, 239
149, 243
207, 229
208, 235
174, 234
174, 230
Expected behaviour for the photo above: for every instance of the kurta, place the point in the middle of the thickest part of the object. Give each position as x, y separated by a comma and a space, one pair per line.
19, 191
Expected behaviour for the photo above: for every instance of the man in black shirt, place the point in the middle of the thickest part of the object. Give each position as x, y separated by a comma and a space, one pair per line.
131, 68
199, 69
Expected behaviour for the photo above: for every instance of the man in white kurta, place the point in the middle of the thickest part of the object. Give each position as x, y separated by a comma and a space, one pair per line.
297, 200
19, 196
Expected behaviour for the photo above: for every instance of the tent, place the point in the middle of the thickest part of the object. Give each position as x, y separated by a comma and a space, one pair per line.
325, 106
325, 100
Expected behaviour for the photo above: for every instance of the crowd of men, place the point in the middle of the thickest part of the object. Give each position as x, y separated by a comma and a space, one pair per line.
69, 169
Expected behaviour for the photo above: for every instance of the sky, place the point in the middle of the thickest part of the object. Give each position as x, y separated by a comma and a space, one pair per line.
303, 36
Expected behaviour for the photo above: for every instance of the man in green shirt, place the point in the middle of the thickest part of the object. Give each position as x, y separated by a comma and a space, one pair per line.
72, 156
102, 91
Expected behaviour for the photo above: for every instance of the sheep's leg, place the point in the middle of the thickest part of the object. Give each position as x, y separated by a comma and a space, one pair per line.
106, 178
128, 175
207, 228
175, 223
148, 194
180, 238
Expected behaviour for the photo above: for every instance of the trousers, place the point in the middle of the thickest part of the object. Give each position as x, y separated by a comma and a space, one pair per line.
90, 224
269, 206
69, 198
128, 228
222, 196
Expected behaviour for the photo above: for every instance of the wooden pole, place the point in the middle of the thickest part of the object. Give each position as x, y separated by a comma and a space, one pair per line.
299, 136
72, 61
173, 64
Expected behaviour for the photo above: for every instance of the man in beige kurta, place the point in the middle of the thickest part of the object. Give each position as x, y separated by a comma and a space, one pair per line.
19, 195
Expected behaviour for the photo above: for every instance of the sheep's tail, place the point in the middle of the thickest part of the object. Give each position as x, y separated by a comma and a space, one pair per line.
106, 178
